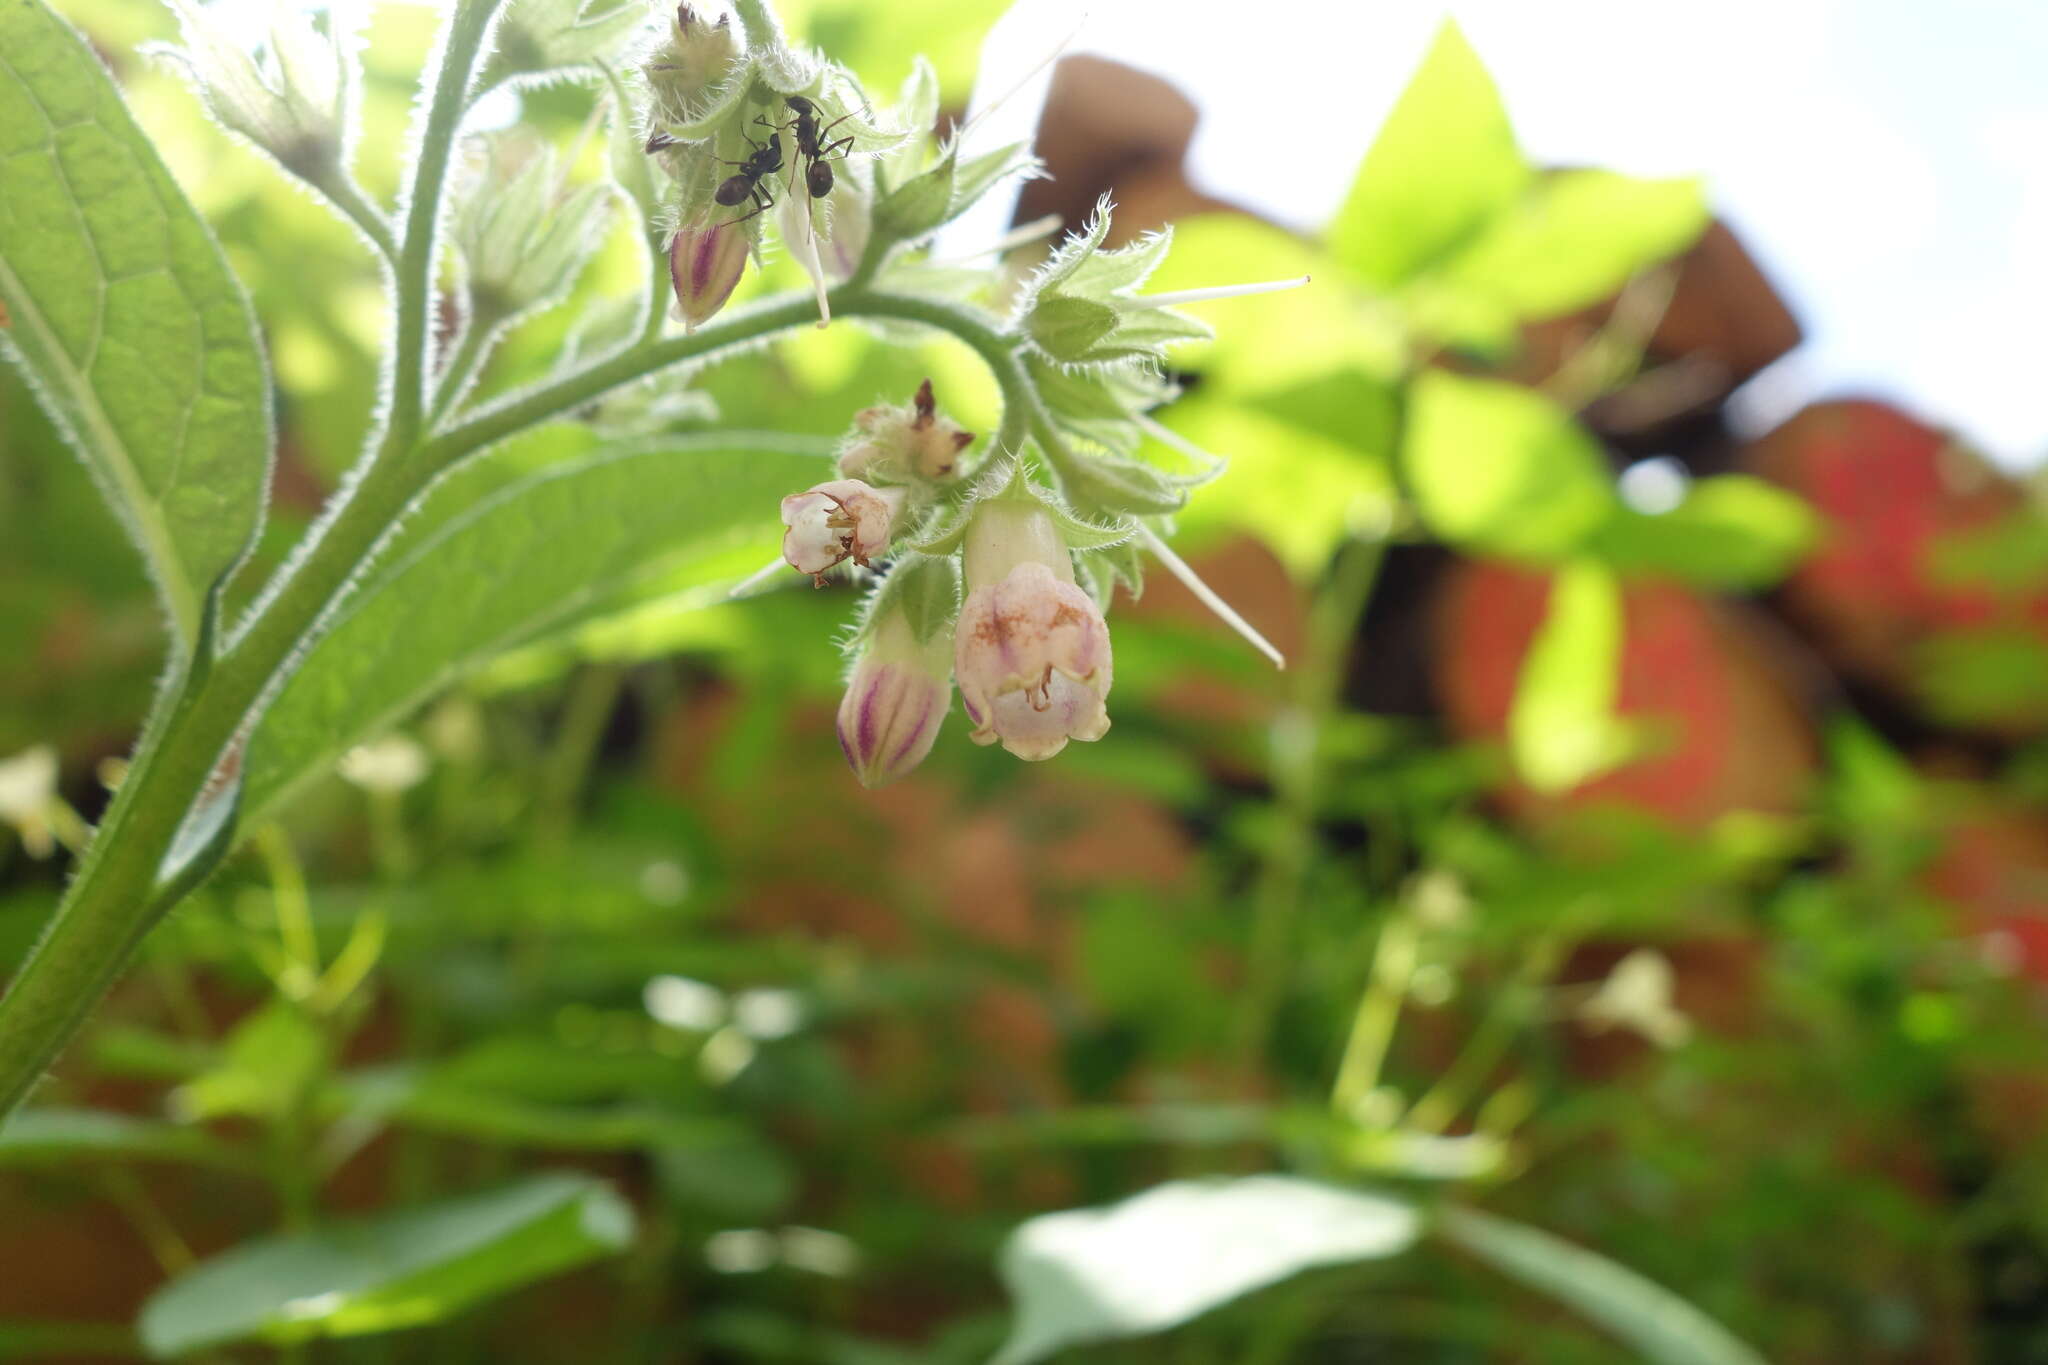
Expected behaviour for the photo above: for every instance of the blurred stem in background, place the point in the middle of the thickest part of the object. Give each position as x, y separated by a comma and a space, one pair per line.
1299, 731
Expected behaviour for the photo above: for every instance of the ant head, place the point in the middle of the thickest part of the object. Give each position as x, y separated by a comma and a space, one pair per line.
800, 104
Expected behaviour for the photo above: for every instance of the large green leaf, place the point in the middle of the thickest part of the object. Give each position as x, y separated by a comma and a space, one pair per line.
1575, 238
1444, 164
1501, 469
1179, 1250
396, 1270
477, 576
1663, 1328
1562, 729
1732, 531
123, 314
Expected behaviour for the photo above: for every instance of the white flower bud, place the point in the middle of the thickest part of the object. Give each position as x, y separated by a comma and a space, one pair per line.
1031, 650
1637, 995
836, 521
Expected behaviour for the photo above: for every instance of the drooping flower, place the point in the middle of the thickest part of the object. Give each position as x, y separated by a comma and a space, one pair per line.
835, 521
1031, 650
895, 701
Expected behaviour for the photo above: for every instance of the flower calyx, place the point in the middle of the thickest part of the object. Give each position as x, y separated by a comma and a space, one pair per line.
899, 444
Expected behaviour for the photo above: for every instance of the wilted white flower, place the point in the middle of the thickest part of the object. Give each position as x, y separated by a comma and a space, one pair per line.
835, 521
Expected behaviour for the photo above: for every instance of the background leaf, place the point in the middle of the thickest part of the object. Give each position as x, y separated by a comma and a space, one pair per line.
1562, 728
1575, 238
396, 1270
57, 1136
124, 316
540, 554
1652, 1320
1179, 1250
1444, 163
1501, 469
1732, 531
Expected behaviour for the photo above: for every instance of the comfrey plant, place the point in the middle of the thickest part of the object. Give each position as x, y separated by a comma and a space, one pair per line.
991, 561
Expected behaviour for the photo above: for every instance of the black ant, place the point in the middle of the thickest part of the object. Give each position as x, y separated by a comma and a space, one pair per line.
811, 146
765, 160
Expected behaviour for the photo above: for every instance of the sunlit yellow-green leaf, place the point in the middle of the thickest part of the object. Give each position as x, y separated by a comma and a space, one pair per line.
1502, 469
1562, 729
1444, 164
1732, 531
1575, 238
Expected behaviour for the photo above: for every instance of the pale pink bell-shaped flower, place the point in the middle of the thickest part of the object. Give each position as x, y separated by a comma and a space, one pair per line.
1031, 650
895, 702
835, 521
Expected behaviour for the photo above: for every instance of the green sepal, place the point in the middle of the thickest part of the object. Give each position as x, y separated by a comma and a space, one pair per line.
1070, 329
925, 588
1116, 486
1102, 570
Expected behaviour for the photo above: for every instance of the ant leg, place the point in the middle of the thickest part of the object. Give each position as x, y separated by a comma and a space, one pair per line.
762, 201
838, 148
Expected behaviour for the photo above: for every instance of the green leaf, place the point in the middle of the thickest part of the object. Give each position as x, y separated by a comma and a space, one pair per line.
1575, 238
1501, 469
1179, 1250
396, 1270
124, 317
533, 556
1562, 729
1068, 327
437, 1103
1732, 531
1444, 163
47, 1341
63, 1136
273, 1059
1663, 1328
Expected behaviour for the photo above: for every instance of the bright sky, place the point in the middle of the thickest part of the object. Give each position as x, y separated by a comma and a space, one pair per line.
1886, 160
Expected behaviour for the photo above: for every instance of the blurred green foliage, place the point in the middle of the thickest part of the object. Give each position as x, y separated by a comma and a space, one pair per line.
799, 1065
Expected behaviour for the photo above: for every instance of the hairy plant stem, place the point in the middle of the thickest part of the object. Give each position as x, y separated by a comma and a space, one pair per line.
123, 885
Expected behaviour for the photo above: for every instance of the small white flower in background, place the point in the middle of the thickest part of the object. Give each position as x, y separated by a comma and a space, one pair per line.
741, 1251
386, 766
1031, 651
679, 1002
768, 1013
1637, 995
1438, 899
28, 790
835, 521
819, 1251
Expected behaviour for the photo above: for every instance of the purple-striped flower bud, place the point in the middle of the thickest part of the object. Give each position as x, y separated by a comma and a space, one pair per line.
705, 261
1031, 650
895, 701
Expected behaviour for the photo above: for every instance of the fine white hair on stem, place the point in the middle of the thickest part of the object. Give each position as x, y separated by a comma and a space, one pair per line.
1206, 595
1221, 291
